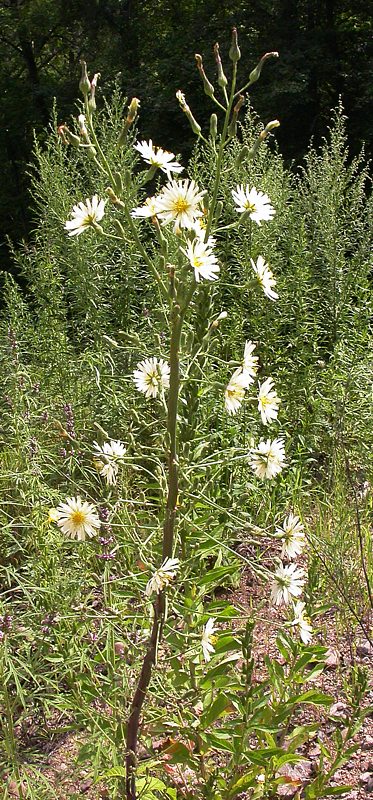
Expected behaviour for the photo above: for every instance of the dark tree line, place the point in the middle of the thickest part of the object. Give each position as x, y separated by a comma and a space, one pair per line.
325, 48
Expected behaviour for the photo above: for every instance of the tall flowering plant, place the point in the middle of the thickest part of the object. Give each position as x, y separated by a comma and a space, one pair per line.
177, 229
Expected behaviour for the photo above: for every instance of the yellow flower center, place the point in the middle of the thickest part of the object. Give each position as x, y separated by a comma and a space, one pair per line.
78, 517
250, 207
89, 219
181, 205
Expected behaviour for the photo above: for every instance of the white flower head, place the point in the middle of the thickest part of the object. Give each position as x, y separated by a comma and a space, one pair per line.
292, 533
108, 458
76, 518
202, 259
162, 576
149, 209
235, 391
302, 622
152, 376
179, 202
268, 459
265, 277
268, 402
250, 362
287, 583
256, 204
208, 639
85, 215
158, 158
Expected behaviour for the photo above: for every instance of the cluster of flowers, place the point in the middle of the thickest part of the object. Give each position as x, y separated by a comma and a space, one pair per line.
180, 203
268, 458
289, 579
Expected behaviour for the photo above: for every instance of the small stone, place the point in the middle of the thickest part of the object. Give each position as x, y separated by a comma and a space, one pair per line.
332, 658
367, 743
314, 751
367, 765
368, 786
364, 778
338, 709
62, 767
86, 785
364, 648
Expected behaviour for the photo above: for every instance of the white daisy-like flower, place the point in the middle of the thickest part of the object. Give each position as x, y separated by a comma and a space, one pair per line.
268, 459
179, 202
76, 518
152, 376
149, 209
202, 259
235, 391
208, 639
85, 215
162, 576
268, 402
158, 158
265, 277
287, 583
250, 362
256, 204
302, 621
108, 458
292, 533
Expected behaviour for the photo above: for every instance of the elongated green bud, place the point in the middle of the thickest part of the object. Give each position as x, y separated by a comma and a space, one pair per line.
207, 86
255, 73
84, 83
131, 116
232, 130
213, 127
71, 137
113, 198
196, 128
222, 81
263, 135
242, 156
271, 125
91, 99
118, 183
234, 51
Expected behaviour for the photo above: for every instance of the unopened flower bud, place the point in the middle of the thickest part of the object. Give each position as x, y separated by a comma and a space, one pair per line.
255, 73
133, 110
61, 133
91, 99
84, 83
82, 128
242, 155
72, 138
118, 183
92, 152
207, 86
196, 128
232, 130
213, 126
271, 125
222, 81
131, 116
234, 51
